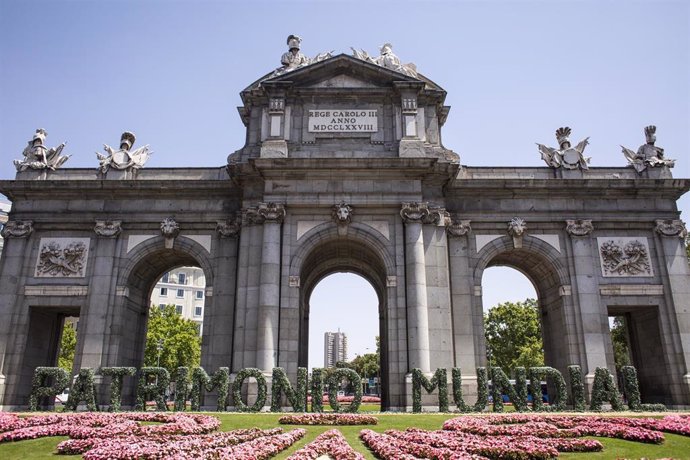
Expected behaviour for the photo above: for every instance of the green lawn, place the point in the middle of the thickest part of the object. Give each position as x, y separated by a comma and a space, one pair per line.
677, 447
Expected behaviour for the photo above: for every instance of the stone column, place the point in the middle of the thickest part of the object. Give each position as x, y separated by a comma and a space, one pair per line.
467, 321
13, 261
595, 336
413, 214
269, 287
92, 327
672, 233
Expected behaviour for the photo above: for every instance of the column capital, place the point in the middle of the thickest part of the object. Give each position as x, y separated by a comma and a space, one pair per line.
272, 212
671, 227
17, 229
262, 213
229, 228
423, 213
579, 227
458, 227
108, 228
414, 213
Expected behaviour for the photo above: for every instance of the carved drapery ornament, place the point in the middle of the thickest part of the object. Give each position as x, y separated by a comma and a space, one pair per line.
579, 227
671, 227
229, 228
342, 213
458, 227
17, 229
517, 228
108, 228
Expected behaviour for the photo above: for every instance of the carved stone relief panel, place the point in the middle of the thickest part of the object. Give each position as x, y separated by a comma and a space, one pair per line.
62, 258
624, 256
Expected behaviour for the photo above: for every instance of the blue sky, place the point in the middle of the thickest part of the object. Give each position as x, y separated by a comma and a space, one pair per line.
171, 71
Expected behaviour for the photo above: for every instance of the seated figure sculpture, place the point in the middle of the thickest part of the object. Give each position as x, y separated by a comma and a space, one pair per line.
38, 156
648, 154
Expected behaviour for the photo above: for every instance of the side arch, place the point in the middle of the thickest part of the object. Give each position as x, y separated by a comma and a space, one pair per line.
545, 267
128, 317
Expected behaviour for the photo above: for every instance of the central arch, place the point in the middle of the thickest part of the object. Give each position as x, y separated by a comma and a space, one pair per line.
327, 251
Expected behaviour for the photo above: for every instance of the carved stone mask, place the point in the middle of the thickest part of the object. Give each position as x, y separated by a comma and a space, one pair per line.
343, 213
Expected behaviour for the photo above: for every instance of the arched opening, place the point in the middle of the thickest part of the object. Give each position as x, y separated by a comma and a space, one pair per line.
534, 263
344, 326
161, 279
177, 304
342, 255
512, 319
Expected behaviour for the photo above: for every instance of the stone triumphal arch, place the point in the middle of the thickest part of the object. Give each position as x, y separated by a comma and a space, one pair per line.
343, 169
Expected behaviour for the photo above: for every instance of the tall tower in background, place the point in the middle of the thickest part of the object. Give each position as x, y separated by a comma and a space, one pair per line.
334, 348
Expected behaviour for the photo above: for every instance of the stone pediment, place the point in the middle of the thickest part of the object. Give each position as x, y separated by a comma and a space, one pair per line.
343, 103
341, 71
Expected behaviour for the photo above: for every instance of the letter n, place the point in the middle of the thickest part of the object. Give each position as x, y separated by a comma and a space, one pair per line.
281, 384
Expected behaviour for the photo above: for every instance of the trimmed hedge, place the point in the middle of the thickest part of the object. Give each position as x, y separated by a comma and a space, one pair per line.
152, 391
261, 390
482, 391
181, 388
439, 380
604, 390
117, 375
551, 375
317, 390
201, 382
631, 388
334, 384
501, 385
577, 388
83, 389
281, 384
38, 384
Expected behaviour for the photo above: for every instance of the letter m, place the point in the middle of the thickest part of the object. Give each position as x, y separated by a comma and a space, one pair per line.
438, 381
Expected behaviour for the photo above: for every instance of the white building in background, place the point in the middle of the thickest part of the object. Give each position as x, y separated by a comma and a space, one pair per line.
4, 211
334, 348
183, 287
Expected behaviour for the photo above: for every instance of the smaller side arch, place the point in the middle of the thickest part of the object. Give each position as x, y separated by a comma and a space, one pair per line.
547, 271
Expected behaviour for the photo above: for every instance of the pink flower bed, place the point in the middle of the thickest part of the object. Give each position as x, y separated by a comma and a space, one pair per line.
365, 399
121, 436
518, 436
545, 426
327, 418
331, 443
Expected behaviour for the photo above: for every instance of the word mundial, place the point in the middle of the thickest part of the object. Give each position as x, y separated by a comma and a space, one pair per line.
604, 390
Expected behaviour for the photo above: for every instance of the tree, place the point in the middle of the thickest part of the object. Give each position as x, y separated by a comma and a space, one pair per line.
180, 344
619, 338
366, 365
513, 335
68, 343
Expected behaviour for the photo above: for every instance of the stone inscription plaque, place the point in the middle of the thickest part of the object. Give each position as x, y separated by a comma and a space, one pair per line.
343, 121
